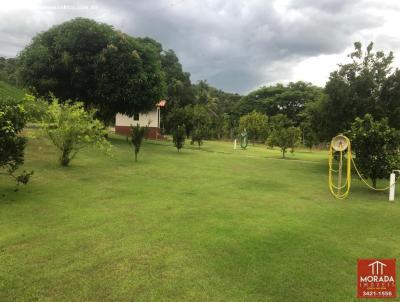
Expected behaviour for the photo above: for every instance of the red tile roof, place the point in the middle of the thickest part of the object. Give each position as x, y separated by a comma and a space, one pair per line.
161, 103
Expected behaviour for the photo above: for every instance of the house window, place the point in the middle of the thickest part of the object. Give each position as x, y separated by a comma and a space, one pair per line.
136, 117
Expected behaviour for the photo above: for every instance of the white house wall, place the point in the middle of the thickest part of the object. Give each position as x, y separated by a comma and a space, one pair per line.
145, 119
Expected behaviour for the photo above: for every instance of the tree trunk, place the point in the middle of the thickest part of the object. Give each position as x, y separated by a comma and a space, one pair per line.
283, 153
136, 156
374, 182
64, 159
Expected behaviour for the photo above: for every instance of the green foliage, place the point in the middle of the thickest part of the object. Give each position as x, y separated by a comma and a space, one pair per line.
178, 137
289, 100
194, 119
314, 124
218, 106
198, 135
283, 134
12, 145
390, 99
230, 125
179, 88
256, 126
221, 109
365, 85
85, 60
8, 71
180, 116
71, 128
201, 124
137, 136
376, 147
36, 108
203, 91
309, 135
8, 91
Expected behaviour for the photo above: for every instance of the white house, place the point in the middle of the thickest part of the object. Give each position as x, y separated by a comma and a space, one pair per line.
150, 119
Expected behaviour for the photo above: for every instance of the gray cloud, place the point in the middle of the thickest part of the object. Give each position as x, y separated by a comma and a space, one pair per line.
235, 45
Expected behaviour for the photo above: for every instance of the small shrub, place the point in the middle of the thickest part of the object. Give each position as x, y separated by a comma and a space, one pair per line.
283, 134
178, 137
198, 135
71, 128
12, 145
137, 136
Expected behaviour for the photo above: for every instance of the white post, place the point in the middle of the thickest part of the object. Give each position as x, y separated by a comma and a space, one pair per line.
392, 186
158, 117
234, 145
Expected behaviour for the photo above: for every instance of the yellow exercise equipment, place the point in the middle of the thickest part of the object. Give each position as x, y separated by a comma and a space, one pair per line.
341, 143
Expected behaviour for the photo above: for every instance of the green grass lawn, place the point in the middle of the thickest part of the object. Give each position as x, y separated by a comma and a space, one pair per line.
208, 225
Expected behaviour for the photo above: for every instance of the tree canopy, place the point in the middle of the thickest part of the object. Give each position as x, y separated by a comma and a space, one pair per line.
289, 100
365, 85
85, 60
179, 88
376, 146
256, 126
283, 134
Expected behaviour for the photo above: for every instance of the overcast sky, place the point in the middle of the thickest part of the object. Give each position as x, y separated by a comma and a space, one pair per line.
235, 45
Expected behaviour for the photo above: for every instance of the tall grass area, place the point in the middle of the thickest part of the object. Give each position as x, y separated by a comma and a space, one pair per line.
9, 91
199, 225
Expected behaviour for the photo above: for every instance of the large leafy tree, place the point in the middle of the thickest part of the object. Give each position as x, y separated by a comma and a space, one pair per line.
256, 126
179, 88
283, 134
376, 147
289, 100
365, 85
180, 116
85, 60
221, 108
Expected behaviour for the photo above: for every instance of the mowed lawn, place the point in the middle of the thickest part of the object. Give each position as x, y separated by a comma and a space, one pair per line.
199, 225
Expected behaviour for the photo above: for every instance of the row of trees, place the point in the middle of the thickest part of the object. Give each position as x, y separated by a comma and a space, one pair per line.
368, 84
114, 72
225, 115
69, 126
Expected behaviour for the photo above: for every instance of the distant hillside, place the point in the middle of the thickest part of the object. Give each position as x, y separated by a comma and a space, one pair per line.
8, 91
